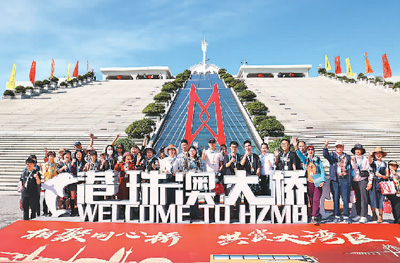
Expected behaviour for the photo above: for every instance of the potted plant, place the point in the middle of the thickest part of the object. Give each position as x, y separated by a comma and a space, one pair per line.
63, 85
29, 91
8, 94
138, 129
45, 85
53, 82
37, 88
162, 98
257, 108
81, 80
388, 84
75, 82
239, 87
70, 84
19, 92
247, 96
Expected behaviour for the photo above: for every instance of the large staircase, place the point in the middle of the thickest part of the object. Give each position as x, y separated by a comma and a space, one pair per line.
320, 109
64, 116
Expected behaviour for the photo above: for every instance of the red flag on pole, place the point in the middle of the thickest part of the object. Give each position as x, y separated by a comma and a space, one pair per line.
32, 73
52, 69
338, 69
87, 66
75, 74
387, 72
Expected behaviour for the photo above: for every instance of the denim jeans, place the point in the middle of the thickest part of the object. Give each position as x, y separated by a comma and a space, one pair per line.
341, 187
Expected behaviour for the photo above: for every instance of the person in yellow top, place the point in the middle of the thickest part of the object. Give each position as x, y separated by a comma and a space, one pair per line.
49, 170
315, 178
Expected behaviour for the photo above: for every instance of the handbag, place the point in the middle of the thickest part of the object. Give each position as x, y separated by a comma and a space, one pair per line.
387, 207
387, 187
364, 173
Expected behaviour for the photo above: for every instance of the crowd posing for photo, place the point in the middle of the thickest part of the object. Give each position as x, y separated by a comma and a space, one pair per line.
372, 180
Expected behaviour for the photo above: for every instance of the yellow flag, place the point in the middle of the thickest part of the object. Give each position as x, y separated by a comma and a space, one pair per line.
69, 72
327, 64
349, 71
11, 82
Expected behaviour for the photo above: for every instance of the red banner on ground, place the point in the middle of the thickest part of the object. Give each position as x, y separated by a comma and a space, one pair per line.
32, 241
338, 69
32, 73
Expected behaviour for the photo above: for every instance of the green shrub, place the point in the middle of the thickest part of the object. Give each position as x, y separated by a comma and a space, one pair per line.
221, 71
126, 142
258, 119
239, 87
154, 109
331, 74
350, 81
28, 87
229, 80
9, 92
63, 84
38, 83
54, 79
360, 76
321, 71
387, 83
162, 97
46, 82
396, 85
257, 108
80, 78
247, 95
140, 128
169, 87
20, 89
270, 127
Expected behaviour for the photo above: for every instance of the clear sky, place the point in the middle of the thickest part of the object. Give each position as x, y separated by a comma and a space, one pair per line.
126, 33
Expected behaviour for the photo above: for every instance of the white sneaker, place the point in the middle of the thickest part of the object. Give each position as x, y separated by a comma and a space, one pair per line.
356, 218
363, 220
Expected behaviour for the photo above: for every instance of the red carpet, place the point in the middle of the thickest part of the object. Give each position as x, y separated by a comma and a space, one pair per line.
32, 241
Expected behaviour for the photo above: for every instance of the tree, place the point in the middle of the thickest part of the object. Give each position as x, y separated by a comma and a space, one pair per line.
247, 95
154, 109
239, 87
38, 83
276, 144
20, 89
222, 70
229, 80
257, 108
270, 127
321, 71
258, 119
140, 128
169, 87
162, 97
126, 142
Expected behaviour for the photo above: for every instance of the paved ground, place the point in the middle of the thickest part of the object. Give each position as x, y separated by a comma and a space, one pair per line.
10, 211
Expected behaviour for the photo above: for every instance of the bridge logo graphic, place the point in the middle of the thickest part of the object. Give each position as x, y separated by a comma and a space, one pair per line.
194, 98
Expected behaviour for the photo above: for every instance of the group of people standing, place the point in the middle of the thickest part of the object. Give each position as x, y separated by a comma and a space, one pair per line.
357, 172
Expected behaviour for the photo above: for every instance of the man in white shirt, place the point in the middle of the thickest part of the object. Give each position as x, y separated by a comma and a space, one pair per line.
213, 163
267, 166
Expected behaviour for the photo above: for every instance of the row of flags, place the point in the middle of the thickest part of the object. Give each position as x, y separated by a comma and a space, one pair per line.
32, 73
387, 72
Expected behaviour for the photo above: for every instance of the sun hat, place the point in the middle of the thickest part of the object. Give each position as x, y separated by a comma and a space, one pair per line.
149, 149
393, 163
379, 149
358, 146
171, 146
211, 140
339, 143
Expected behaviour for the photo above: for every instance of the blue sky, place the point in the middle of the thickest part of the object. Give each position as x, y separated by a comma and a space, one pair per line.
168, 33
